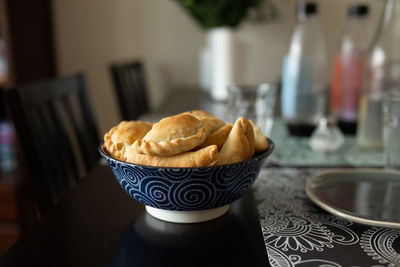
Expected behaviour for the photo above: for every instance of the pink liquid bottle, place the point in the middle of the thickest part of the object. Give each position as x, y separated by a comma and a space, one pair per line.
349, 67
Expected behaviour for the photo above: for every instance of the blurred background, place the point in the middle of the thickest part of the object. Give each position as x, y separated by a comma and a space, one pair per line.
90, 34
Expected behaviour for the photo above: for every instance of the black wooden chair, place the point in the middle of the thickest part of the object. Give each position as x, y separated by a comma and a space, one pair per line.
57, 133
131, 88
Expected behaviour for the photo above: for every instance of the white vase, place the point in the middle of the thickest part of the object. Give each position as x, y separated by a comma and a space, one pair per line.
217, 63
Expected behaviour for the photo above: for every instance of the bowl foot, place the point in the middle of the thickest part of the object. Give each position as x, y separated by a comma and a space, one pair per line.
187, 216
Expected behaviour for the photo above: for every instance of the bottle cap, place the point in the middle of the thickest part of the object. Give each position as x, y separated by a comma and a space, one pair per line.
358, 10
307, 8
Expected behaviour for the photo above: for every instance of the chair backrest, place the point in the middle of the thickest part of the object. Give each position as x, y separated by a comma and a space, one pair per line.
57, 132
130, 84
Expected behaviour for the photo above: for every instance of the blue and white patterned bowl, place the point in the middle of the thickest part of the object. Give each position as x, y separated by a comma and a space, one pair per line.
199, 190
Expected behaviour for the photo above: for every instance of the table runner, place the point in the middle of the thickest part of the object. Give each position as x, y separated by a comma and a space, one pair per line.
298, 233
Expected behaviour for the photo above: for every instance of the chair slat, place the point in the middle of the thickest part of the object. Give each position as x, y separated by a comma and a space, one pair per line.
43, 168
131, 98
65, 148
58, 179
139, 77
90, 132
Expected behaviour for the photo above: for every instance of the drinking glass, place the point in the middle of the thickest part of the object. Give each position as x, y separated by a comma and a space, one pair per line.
391, 129
253, 102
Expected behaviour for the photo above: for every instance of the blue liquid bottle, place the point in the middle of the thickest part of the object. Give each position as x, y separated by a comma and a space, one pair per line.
304, 76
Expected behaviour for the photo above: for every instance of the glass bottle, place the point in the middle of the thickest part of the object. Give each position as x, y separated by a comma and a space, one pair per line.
327, 137
304, 79
349, 68
382, 75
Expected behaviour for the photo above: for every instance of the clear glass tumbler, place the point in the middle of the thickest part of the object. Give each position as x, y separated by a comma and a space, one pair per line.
253, 102
391, 129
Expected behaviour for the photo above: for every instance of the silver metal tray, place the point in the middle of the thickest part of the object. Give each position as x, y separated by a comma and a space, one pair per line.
366, 196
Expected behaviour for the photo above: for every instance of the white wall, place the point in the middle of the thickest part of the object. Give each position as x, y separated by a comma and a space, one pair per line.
91, 34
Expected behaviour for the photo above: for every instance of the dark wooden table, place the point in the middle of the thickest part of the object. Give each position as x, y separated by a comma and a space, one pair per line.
98, 224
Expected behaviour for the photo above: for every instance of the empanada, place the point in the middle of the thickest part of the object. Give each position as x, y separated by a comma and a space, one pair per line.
239, 145
204, 157
173, 135
261, 143
123, 134
218, 137
203, 115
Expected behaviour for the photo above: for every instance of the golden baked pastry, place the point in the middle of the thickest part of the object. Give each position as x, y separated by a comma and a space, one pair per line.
261, 142
204, 115
123, 134
204, 157
173, 135
218, 137
190, 139
239, 145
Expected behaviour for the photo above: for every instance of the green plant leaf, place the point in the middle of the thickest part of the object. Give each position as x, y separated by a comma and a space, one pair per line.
220, 13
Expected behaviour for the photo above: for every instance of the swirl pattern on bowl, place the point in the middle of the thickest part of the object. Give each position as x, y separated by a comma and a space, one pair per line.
187, 189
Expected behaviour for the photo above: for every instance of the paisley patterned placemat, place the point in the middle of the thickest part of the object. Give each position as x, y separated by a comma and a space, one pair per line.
296, 151
298, 233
